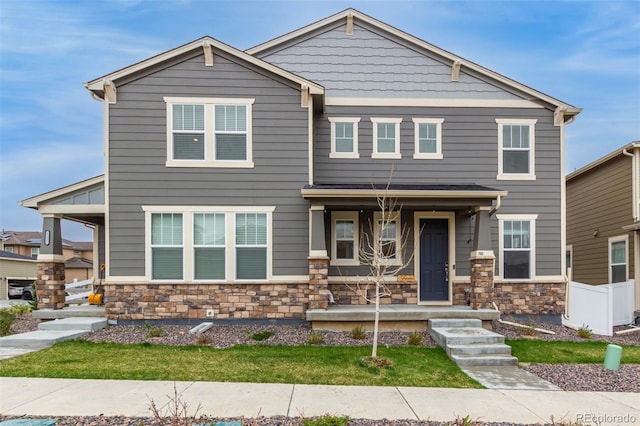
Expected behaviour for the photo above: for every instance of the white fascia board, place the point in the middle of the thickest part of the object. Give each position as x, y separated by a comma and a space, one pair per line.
97, 85
420, 43
66, 209
367, 193
33, 202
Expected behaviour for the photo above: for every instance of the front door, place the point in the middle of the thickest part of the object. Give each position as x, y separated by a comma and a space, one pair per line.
434, 260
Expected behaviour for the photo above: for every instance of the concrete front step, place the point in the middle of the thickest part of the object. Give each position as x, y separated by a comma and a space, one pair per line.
74, 323
479, 349
484, 360
69, 312
39, 339
465, 336
454, 322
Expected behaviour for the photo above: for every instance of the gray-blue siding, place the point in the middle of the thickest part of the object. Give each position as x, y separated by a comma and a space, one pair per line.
138, 151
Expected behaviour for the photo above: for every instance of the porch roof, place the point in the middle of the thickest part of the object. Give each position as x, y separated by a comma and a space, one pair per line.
81, 201
450, 194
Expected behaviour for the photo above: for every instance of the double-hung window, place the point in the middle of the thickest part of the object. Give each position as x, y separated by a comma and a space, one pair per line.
251, 246
344, 236
209, 132
386, 138
618, 270
387, 237
517, 246
344, 137
166, 246
208, 243
516, 149
428, 138
209, 248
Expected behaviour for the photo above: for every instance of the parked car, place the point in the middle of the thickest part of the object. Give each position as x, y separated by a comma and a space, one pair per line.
22, 291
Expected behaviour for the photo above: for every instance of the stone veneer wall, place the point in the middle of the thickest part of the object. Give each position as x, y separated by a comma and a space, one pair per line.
520, 298
50, 285
191, 301
404, 293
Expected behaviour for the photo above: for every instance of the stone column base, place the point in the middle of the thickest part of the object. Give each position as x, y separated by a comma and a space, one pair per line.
50, 285
482, 291
318, 282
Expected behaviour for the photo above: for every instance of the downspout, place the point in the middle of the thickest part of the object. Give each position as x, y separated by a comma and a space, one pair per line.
634, 188
497, 206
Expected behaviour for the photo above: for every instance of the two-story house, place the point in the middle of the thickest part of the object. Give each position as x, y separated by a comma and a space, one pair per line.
239, 183
603, 219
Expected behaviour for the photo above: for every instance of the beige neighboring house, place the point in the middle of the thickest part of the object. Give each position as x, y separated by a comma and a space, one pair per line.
78, 256
603, 220
15, 269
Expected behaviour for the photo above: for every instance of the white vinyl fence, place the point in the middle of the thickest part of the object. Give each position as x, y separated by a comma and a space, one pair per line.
78, 291
600, 307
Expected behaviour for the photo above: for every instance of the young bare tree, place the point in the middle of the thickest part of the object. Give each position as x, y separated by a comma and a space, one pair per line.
382, 250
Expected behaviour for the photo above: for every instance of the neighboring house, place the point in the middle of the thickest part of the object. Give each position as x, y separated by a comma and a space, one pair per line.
78, 256
15, 269
603, 219
237, 182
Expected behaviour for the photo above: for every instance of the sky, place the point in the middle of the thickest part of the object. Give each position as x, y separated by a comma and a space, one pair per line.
585, 53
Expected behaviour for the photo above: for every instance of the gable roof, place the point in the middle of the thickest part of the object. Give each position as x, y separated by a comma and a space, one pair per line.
33, 239
602, 160
36, 200
568, 110
96, 86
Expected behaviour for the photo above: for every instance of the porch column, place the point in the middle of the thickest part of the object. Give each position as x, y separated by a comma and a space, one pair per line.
318, 260
482, 262
50, 282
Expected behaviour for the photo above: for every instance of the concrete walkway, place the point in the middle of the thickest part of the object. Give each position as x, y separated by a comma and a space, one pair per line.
71, 397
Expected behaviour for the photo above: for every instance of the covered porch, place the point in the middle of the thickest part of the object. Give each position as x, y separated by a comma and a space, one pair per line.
82, 202
439, 239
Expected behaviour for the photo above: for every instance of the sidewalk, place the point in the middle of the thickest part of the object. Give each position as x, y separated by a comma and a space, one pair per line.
71, 397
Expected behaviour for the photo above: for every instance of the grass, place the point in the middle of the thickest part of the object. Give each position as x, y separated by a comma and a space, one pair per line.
588, 352
334, 365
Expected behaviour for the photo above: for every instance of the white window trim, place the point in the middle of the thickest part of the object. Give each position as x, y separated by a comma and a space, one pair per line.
386, 155
617, 239
532, 152
392, 217
334, 153
209, 136
340, 215
532, 264
150, 246
428, 155
187, 240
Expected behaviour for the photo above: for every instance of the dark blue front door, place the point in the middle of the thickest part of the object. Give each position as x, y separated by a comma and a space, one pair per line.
434, 258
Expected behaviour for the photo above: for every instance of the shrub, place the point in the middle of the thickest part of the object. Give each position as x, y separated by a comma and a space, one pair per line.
585, 332
8, 317
262, 335
315, 338
327, 420
415, 339
156, 332
358, 333
203, 340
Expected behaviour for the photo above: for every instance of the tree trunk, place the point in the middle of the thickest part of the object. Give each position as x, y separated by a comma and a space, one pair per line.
374, 349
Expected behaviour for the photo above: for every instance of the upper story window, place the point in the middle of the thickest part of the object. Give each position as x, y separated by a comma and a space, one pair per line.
516, 149
8, 249
618, 270
209, 132
35, 251
344, 137
386, 138
344, 238
428, 138
517, 246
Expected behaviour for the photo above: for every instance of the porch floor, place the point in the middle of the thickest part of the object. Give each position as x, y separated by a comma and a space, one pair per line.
393, 317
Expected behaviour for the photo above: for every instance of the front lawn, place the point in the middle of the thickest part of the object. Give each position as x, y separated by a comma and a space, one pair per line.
330, 365
540, 351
